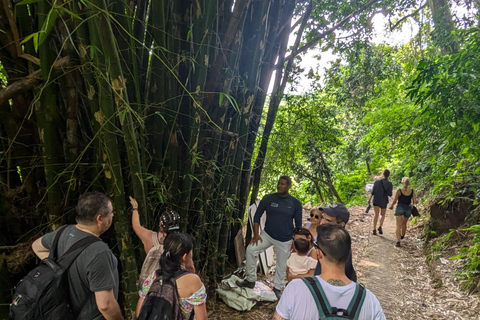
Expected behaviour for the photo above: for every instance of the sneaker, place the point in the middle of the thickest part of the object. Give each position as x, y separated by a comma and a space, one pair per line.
374, 232
397, 244
380, 231
402, 237
245, 283
278, 293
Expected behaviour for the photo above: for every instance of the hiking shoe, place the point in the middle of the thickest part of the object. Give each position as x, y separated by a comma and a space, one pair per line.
278, 293
402, 237
397, 244
380, 231
374, 232
245, 284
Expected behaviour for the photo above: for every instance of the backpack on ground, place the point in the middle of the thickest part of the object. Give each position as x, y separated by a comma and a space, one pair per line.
44, 292
325, 311
162, 300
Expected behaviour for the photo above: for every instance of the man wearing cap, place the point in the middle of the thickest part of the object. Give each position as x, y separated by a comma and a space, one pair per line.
337, 213
331, 293
281, 209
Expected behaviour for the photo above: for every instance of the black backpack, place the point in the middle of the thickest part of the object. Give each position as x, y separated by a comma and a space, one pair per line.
162, 300
325, 311
44, 292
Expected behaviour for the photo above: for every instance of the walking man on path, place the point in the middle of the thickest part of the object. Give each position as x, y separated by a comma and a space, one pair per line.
93, 276
298, 301
281, 209
382, 189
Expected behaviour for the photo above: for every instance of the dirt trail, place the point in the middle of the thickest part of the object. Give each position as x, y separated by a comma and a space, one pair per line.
399, 277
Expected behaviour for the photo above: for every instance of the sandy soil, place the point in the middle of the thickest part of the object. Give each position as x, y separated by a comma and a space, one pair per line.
399, 277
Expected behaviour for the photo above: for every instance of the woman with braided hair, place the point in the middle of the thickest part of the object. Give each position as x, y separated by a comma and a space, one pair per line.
153, 241
172, 292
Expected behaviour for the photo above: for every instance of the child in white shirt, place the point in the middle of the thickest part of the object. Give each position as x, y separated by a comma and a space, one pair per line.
299, 264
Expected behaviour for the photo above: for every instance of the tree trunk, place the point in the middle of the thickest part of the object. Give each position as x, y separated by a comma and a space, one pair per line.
444, 25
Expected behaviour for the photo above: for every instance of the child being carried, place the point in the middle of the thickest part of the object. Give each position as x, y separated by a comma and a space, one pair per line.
299, 264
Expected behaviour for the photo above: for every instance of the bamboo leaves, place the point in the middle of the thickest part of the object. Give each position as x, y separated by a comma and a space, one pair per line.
48, 23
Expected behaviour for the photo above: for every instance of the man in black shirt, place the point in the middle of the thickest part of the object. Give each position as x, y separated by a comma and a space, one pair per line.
337, 213
282, 209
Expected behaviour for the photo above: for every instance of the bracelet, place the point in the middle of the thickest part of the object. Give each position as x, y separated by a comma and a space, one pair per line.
134, 209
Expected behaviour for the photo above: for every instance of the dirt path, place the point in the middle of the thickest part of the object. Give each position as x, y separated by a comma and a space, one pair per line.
399, 277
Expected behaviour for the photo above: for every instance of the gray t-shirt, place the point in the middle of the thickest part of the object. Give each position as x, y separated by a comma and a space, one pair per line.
95, 269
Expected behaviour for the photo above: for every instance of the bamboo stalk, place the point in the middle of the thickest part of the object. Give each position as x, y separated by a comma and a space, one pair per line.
48, 123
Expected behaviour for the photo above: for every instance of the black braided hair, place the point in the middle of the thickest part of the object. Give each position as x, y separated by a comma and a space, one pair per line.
170, 221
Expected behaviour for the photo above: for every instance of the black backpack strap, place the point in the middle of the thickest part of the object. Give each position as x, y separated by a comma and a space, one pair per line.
356, 303
318, 295
72, 253
53, 251
180, 273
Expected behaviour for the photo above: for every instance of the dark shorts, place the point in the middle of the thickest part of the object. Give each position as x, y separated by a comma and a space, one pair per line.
403, 210
382, 206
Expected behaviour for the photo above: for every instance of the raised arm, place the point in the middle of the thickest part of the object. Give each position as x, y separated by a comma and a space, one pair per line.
144, 234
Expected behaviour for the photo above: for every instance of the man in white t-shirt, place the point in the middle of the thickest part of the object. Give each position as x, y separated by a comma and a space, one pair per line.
333, 247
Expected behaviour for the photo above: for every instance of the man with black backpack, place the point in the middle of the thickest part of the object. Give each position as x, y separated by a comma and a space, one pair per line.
331, 295
92, 276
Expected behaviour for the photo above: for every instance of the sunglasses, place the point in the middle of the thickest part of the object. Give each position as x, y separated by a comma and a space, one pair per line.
315, 245
302, 231
314, 215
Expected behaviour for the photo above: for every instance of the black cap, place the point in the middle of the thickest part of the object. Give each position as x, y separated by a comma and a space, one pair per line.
337, 210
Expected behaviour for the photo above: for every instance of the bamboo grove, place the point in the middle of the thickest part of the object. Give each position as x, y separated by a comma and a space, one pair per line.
157, 99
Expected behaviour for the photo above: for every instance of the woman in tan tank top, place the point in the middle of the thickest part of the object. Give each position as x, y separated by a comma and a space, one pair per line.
153, 241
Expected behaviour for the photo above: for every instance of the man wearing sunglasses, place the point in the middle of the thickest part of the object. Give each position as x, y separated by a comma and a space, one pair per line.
331, 293
281, 209
337, 213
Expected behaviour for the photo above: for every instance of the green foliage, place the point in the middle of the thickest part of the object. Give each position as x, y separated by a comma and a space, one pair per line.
471, 276
351, 186
442, 242
446, 95
310, 126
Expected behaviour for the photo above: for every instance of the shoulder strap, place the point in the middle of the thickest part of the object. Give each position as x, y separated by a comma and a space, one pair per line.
155, 241
180, 273
53, 252
383, 186
72, 253
318, 295
356, 303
